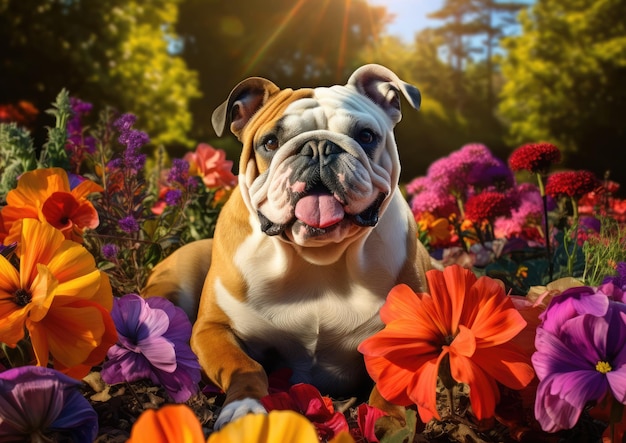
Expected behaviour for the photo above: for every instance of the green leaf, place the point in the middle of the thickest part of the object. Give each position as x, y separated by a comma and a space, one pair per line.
392, 431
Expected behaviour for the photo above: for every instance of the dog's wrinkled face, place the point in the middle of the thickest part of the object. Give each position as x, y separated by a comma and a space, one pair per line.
319, 165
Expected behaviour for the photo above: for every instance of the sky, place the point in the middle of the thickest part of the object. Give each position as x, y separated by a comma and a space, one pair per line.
411, 15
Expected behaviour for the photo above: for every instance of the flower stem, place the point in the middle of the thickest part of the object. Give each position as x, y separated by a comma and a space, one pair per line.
542, 191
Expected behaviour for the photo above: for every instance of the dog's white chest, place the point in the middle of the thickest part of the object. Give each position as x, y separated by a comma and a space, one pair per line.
311, 322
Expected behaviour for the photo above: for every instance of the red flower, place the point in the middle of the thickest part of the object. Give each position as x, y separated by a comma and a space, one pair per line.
366, 418
487, 206
573, 184
307, 400
534, 157
211, 165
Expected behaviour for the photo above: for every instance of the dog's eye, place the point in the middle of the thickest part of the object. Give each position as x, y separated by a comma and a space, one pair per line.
270, 143
366, 137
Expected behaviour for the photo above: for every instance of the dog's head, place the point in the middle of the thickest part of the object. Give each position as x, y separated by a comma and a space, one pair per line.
318, 165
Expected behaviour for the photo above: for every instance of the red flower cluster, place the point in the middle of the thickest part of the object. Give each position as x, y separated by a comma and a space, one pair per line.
23, 113
487, 206
534, 157
573, 184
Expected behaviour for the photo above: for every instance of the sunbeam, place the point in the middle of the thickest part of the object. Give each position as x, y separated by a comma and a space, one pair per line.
281, 27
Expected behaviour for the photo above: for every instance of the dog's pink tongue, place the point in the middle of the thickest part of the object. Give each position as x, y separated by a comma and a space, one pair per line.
319, 210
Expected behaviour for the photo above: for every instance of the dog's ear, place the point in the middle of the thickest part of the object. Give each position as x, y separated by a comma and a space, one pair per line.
382, 85
244, 100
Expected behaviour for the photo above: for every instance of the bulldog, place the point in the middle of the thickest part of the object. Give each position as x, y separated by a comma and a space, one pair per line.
308, 245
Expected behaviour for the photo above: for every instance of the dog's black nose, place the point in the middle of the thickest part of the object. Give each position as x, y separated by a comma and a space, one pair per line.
322, 149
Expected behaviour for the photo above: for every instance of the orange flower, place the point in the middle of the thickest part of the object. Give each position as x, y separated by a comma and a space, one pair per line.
177, 423
171, 423
59, 296
438, 229
468, 320
283, 426
45, 194
211, 164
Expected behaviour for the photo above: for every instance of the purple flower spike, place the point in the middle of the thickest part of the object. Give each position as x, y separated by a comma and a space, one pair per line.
153, 343
42, 402
578, 364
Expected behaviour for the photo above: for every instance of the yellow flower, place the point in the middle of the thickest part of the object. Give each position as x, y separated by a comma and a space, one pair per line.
46, 194
278, 425
59, 296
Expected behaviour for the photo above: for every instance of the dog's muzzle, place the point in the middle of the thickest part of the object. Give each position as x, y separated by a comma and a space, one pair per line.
324, 168
367, 218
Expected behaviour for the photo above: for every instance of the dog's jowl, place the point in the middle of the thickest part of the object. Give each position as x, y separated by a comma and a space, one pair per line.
309, 244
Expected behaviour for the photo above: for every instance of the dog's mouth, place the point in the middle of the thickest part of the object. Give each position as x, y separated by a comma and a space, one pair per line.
320, 212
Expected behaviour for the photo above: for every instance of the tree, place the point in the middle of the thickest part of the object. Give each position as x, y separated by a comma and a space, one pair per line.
438, 128
564, 81
112, 52
494, 18
464, 22
294, 43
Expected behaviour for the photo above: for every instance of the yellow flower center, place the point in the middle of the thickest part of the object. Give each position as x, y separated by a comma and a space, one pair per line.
603, 367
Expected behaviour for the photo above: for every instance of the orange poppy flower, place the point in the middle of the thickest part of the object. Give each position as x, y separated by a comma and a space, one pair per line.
171, 423
59, 296
45, 194
467, 319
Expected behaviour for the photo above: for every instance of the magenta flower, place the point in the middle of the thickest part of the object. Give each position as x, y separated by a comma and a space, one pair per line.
41, 404
572, 303
153, 343
581, 355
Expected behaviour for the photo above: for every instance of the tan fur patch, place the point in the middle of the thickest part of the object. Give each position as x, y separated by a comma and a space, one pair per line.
264, 120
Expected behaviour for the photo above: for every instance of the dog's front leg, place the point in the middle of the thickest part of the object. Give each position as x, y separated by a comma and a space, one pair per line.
226, 364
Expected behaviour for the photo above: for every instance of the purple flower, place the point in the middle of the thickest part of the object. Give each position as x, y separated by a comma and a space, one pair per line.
110, 251
134, 139
125, 122
41, 404
179, 172
173, 197
618, 280
572, 303
153, 343
129, 224
580, 363
78, 144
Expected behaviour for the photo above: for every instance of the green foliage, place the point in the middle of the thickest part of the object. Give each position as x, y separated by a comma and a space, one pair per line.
394, 432
564, 80
54, 153
17, 155
107, 51
604, 251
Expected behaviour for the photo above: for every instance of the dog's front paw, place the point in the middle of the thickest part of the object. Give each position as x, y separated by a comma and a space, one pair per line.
238, 408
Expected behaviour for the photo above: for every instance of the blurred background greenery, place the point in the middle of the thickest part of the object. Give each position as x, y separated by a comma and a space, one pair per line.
495, 72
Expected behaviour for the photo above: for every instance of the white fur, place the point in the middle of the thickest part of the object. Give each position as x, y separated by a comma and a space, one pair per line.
315, 315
